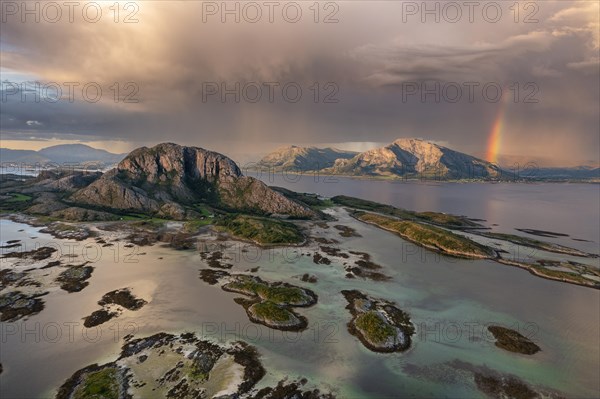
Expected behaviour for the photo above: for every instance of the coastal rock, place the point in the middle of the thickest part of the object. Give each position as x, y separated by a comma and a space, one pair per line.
74, 278
15, 305
98, 317
122, 297
292, 389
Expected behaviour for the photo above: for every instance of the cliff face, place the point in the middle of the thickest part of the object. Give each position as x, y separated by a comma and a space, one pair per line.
415, 157
164, 179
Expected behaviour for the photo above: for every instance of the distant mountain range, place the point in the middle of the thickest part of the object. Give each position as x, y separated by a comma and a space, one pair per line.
61, 154
575, 173
411, 158
304, 158
403, 158
406, 157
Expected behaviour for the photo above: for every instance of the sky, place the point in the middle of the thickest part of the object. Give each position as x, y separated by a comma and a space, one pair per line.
507, 82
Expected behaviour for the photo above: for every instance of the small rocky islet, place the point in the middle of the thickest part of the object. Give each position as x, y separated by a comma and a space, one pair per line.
378, 324
268, 303
356, 263
15, 305
121, 299
513, 341
271, 304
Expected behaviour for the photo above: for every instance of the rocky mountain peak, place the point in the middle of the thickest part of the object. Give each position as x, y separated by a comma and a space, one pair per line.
167, 179
171, 162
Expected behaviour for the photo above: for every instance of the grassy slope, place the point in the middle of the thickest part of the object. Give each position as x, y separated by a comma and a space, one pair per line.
374, 327
262, 230
428, 236
280, 295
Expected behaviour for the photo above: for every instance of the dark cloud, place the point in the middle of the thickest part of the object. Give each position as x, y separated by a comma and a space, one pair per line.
367, 58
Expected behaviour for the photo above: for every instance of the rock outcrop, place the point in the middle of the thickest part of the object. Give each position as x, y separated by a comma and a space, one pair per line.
62, 181
168, 180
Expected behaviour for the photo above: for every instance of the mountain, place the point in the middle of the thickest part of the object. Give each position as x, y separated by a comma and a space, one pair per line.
79, 153
21, 156
409, 157
61, 154
576, 173
303, 158
171, 180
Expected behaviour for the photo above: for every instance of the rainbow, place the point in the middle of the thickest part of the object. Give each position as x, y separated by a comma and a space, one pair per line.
495, 138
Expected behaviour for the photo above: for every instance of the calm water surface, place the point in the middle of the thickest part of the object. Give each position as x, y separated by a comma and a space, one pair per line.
568, 208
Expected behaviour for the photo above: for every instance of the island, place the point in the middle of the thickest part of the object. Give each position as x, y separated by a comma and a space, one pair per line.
113, 304
378, 324
444, 233
430, 237
271, 304
513, 341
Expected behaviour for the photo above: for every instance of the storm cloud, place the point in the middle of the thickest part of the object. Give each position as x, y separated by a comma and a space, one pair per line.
368, 72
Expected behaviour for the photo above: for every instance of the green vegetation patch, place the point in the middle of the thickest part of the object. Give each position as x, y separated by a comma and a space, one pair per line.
17, 202
429, 236
574, 277
374, 327
193, 226
271, 311
513, 341
100, 384
17, 197
262, 230
278, 294
272, 304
